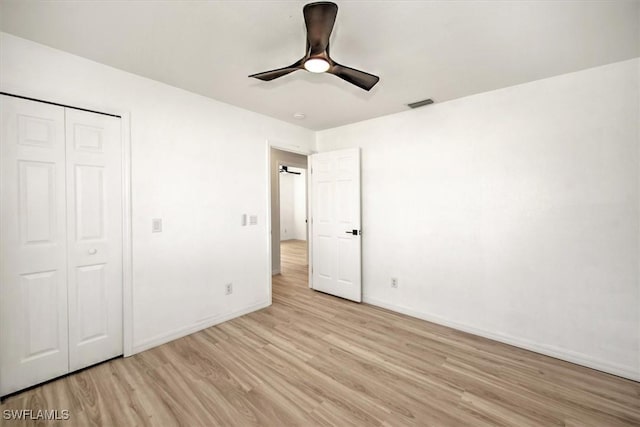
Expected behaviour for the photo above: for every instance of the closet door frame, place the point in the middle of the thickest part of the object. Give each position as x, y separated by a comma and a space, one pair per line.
127, 252
127, 263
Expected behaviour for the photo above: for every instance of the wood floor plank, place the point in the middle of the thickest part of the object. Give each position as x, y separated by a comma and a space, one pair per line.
313, 359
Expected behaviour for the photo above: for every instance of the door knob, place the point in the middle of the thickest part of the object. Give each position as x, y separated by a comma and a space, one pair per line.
354, 232
93, 251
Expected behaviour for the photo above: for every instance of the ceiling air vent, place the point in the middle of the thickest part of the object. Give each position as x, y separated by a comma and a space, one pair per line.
420, 103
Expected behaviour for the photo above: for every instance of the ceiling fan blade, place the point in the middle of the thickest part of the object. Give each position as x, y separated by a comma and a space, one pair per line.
278, 72
274, 74
359, 78
319, 18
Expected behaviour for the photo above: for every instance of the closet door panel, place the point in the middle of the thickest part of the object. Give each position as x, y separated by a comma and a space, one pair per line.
94, 221
33, 238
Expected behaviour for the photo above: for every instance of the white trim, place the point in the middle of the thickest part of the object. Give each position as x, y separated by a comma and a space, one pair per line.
198, 326
547, 350
310, 220
270, 233
291, 148
638, 236
307, 177
127, 238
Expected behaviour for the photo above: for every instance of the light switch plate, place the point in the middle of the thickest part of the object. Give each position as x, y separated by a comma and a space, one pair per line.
156, 225
253, 219
243, 220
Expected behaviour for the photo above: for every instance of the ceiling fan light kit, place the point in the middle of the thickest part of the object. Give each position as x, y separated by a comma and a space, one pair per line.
316, 65
319, 18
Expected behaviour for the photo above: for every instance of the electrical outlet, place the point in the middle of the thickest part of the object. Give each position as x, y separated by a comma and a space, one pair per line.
228, 289
394, 282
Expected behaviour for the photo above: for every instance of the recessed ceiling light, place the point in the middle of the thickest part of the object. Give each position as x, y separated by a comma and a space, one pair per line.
316, 65
299, 116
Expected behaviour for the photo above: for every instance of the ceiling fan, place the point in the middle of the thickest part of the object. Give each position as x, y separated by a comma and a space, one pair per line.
319, 18
285, 169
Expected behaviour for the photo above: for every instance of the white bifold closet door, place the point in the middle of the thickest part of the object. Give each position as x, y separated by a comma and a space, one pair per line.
94, 237
33, 245
61, 241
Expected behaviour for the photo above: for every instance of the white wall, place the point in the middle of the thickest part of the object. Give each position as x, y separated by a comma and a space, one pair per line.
197, 163
293, 205
512, 214
286, 206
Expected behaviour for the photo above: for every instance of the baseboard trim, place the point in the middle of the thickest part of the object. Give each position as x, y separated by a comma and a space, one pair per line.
198, 326
275, 271
547, 350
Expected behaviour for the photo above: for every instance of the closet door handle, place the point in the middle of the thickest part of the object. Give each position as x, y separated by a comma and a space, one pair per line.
93, 251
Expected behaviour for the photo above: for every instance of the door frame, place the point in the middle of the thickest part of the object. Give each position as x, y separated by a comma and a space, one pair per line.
296, 149
127, 237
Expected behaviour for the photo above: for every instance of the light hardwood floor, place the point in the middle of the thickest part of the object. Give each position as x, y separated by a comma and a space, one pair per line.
312, 359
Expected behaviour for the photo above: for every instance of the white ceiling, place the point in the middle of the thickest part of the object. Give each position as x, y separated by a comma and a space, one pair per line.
437, 49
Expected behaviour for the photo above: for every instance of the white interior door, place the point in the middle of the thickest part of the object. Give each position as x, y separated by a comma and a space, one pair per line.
335, 201
33, 239
94, 222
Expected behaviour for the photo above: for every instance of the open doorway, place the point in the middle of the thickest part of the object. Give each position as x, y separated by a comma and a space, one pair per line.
289, 224
293, 221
